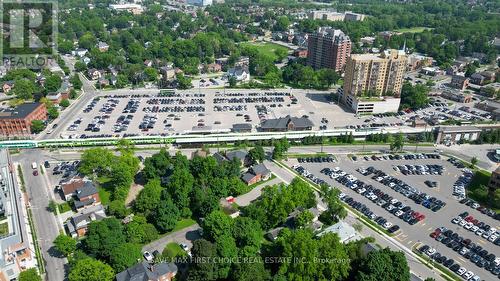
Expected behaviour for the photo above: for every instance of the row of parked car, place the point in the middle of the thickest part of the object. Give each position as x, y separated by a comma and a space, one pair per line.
387, 202
457, 163
461, 183
478, 227
468, 249
328, 159
474, 205
383, 222
413, 156
175, 101
177, 108
420, 198
65, 168
449, 263
431, 169
304, 172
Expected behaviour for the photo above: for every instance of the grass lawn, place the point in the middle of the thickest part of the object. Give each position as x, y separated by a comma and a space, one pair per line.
173, 250
180, 225
266, 48
4, 229
104, 192
64, 207
416, 29
478, 191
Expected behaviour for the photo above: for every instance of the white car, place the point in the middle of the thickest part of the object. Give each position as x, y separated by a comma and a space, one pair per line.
431, 252
398, 213
474, 228
361, 190
468, 275
492, 238
342, 195
486, 235
464, 251
184, 247
468, 225
461, 271
479, 232
462, 223
476, 278
147, 256
387, 225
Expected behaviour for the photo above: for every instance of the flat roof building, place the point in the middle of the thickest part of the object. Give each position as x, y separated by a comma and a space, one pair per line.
457, 134
17, 121
328, 48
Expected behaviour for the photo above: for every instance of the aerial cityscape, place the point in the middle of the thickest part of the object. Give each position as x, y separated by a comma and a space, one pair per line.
249, 140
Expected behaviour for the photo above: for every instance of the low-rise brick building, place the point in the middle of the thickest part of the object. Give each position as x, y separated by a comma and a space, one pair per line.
17, 121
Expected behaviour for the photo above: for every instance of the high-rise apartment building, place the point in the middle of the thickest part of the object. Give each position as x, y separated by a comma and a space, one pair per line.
328, 48
369, 77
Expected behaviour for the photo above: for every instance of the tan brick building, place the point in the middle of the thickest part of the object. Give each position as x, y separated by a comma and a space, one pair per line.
495, 179
17, 121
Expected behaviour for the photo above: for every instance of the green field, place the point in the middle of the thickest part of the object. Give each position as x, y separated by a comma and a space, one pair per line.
416, 29
266, 48
4, 229
173, 250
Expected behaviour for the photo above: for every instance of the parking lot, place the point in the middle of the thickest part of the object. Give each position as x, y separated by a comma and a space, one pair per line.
205, 110
378, 187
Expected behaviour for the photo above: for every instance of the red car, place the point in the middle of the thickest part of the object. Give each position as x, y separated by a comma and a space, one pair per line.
435, 234
35, 173
469, 218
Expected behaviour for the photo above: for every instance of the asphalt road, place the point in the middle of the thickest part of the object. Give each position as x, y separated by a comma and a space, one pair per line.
418, 233
45, 222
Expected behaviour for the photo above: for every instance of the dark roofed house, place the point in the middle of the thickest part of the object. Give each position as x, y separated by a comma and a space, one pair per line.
241, 155
219, 157
287, 124
262, 170
250, 178
77, 224
148, 272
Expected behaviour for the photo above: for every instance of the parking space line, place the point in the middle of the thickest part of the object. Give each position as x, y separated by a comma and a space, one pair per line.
482, 242
409, 242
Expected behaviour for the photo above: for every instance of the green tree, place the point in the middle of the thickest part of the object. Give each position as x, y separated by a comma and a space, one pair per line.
398, 142
203, 249
23, 89
96, 160
52, 112
53, 83
256, 154
37, 126
76, 82
384, 265
148, 199
91, 270
103, 236
151, 73
414, 96
65, 244
304, 219
64, 103
118, 209
247, 232
473, 162
217, 224
29, 275
167, 215
183, 82
179, 187
232, 82
140, 231
80, 66
336, 210
124, 256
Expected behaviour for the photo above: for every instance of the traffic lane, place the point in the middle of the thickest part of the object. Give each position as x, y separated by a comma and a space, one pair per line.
44, 220
410, 234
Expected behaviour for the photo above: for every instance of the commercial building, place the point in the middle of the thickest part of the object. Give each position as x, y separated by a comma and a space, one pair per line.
17, 121
201, 3
15, 252
133, 8
459, 82
457, 134
328, 48
335, 16
457, 96
287, 123
380, 77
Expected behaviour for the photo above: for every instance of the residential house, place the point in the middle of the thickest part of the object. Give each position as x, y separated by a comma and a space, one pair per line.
102, 46
167, 72
344, 231
255, 174
459, 82
240, 155
145, 271
94, 74
291, 222
241, 74
148, 63
242, 62
80, 52
7, 86
477, 79
86, 195
103, 82
77, 225
86, 60
287, 123
213, 67
68, 188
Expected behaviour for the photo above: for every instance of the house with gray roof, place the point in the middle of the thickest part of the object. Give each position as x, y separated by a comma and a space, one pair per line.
287, 123
145, 271
77, 225
241, 74
240, 154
